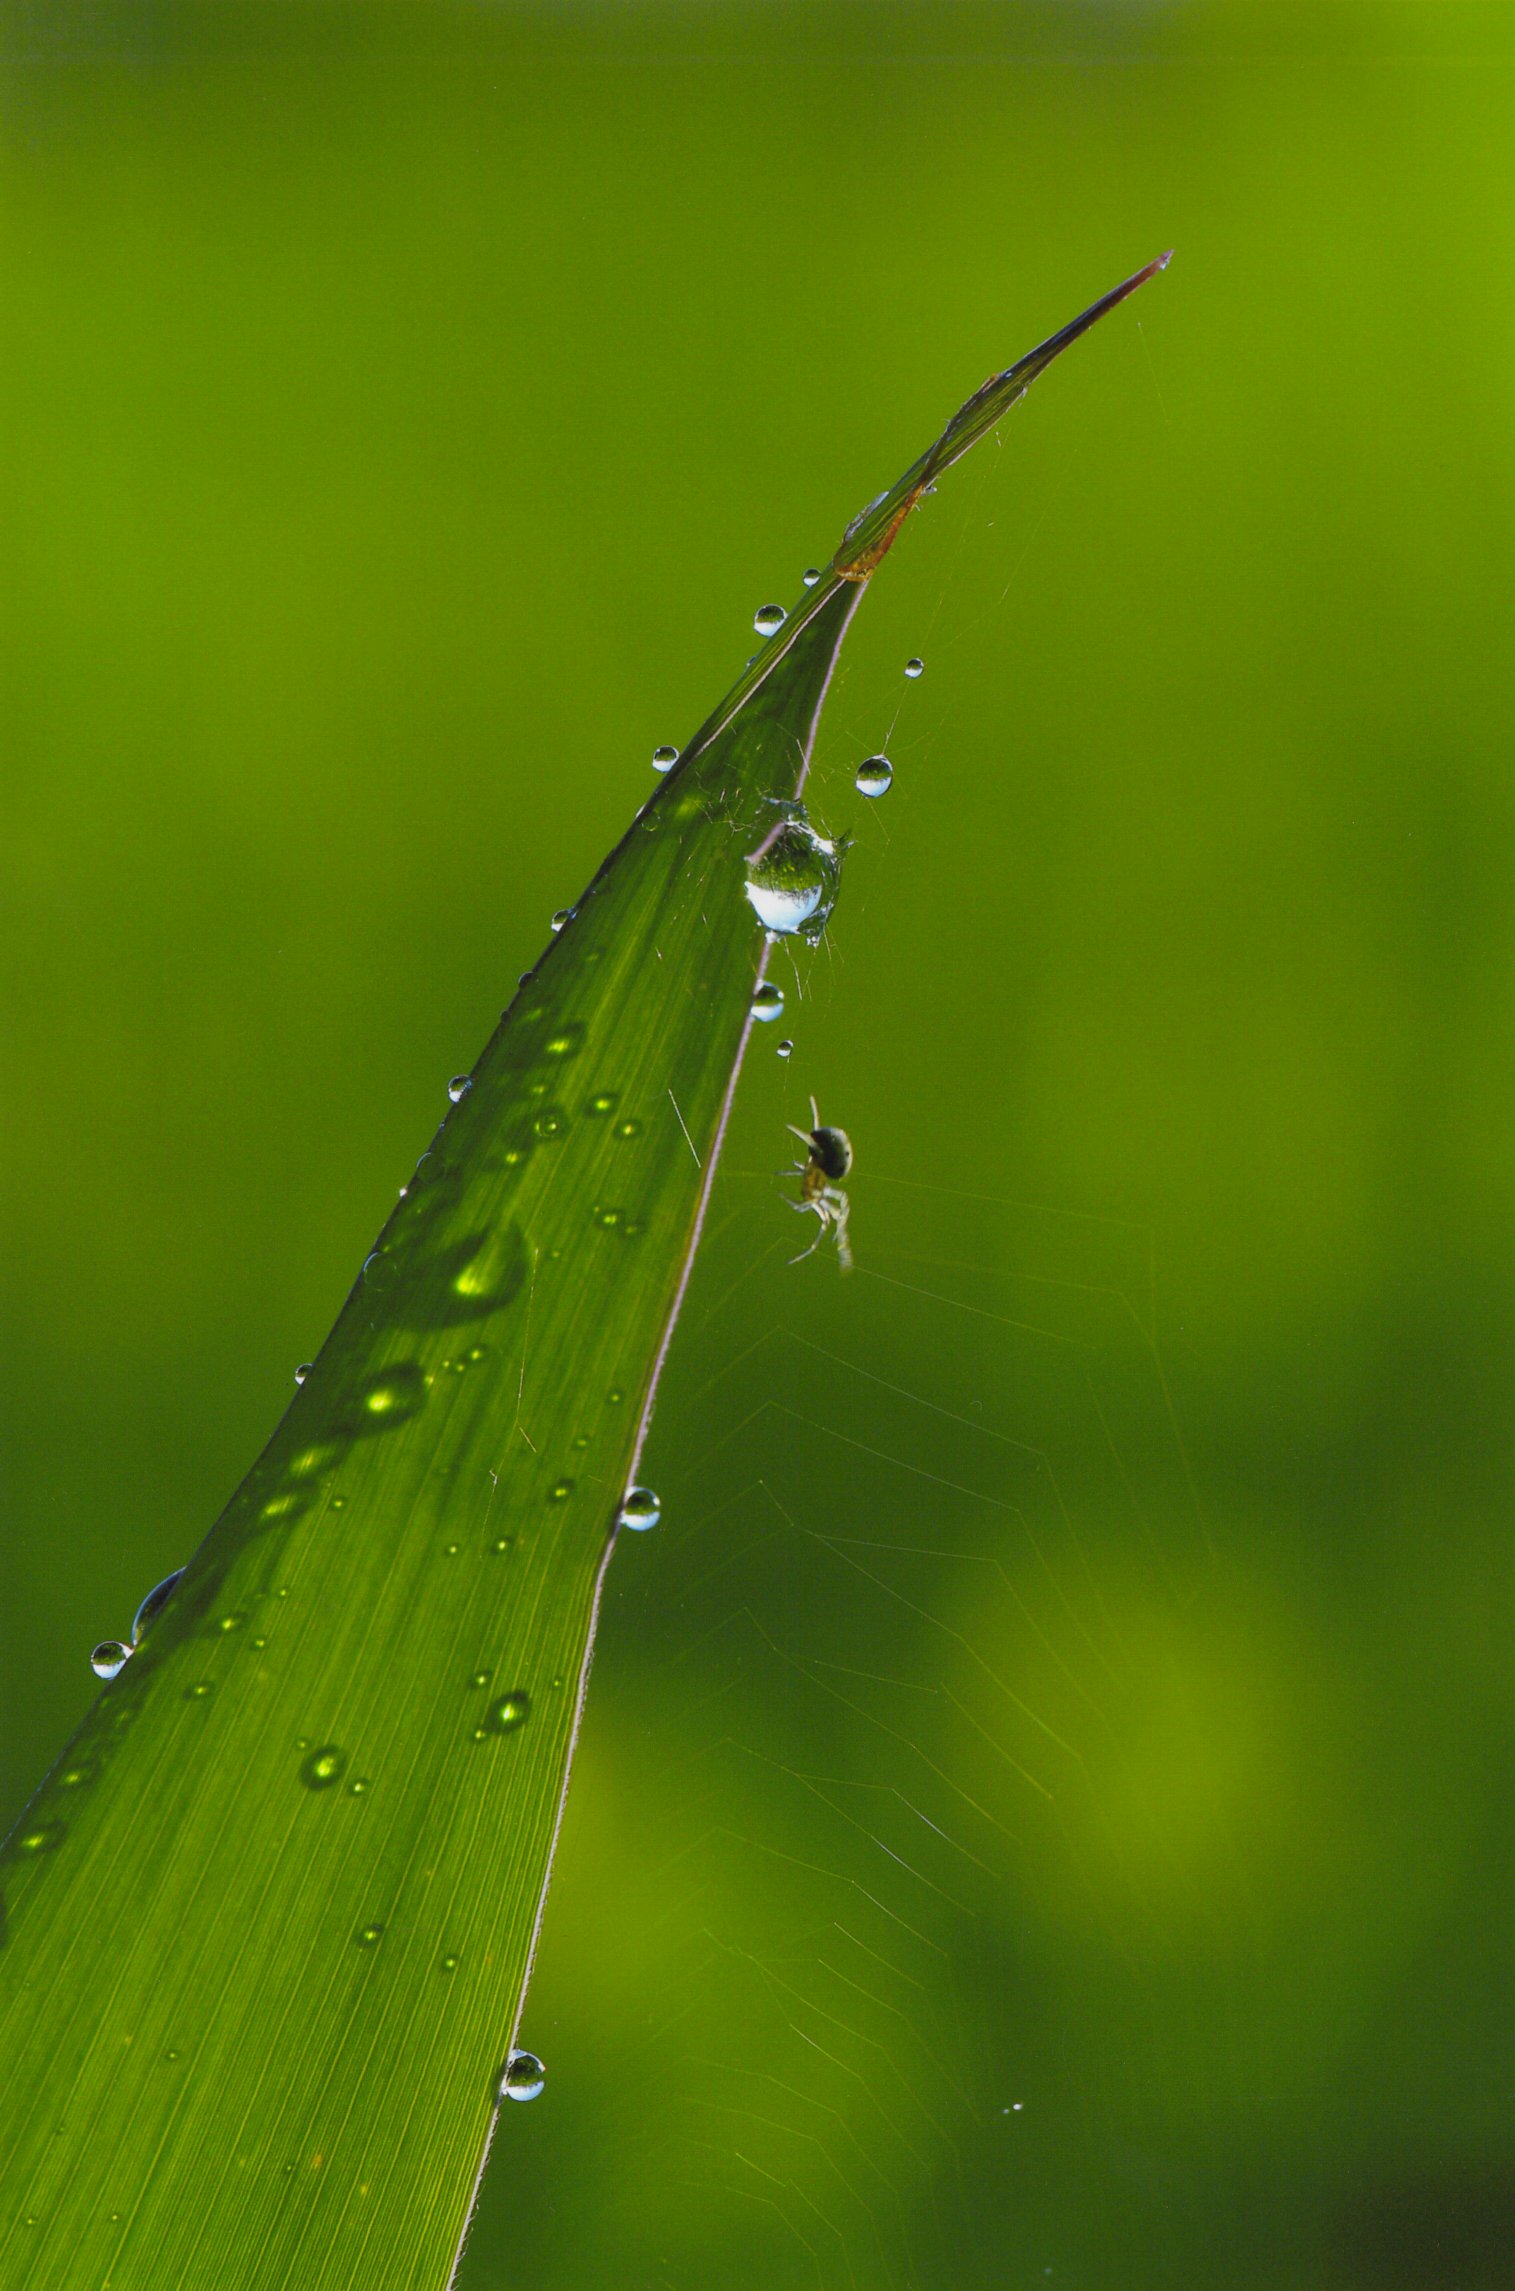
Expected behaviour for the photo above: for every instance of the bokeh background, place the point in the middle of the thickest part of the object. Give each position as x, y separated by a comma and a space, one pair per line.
1044, 1812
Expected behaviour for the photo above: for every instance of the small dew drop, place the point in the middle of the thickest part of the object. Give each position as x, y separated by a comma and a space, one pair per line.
768, 1002
604, 1102
615, 1396
369, 1936
338, 1503
451, 1550
502, 1543
604, 1216
786, 1049
511, 1710
449, 1964
811, 575
235, 1621
200, 1689
109, 1658
640, 1508
565, 1041
324, 1767
875, 776
914, 668
664, 759
769, 619
303, 1371
560, 1491
522, 2078
563, 915
480, 1678
42, 1838
630, 1128
459, 1087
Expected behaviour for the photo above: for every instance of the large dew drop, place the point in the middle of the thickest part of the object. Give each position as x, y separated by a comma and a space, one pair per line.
153, 1605
769, 619
793, 878
522, 2078
664, 759
875, 776
640, 1509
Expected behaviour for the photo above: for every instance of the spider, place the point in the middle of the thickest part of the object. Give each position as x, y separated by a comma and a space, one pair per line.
828, 1157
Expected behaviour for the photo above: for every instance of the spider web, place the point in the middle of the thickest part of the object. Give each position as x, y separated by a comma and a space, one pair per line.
883, 1952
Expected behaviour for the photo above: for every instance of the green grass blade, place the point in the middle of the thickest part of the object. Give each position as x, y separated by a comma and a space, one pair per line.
268, 1922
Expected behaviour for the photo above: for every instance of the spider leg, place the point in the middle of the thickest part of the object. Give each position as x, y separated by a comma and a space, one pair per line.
815, 1115
820, 1231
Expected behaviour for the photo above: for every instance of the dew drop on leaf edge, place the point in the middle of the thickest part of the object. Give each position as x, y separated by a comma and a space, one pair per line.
459, 1087
793, 879
110, 1658
522, 2078
769, 619
768, 1002
640, 1509
664, 759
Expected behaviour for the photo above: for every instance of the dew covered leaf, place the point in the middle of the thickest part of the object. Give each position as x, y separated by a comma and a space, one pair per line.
269, 1920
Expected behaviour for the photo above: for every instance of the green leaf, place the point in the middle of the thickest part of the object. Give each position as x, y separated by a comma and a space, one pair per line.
269, 1921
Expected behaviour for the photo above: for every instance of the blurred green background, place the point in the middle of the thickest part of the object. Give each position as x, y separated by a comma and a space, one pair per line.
1044, 1809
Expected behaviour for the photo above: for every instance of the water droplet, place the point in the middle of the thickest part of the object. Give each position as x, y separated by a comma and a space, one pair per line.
560, 1491
615, 1396
303, 1371
451, 1550
512, 1710
769, 619
604, 1216
153, 1605
875, 776
449, 1964
369, 1936
811, 575
502, 1543
75, 1777
235, 1621
565, 1040
786, 1049
640, 1508
563, 915
323, 1767
522, 2078
548, 1125
914, 668
388, 1397
109, 1659
42, 1837
338, 1503
480, 1678
630, 1128
793, 878
459, 1087
201, 1688
767, 1002
664, 759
